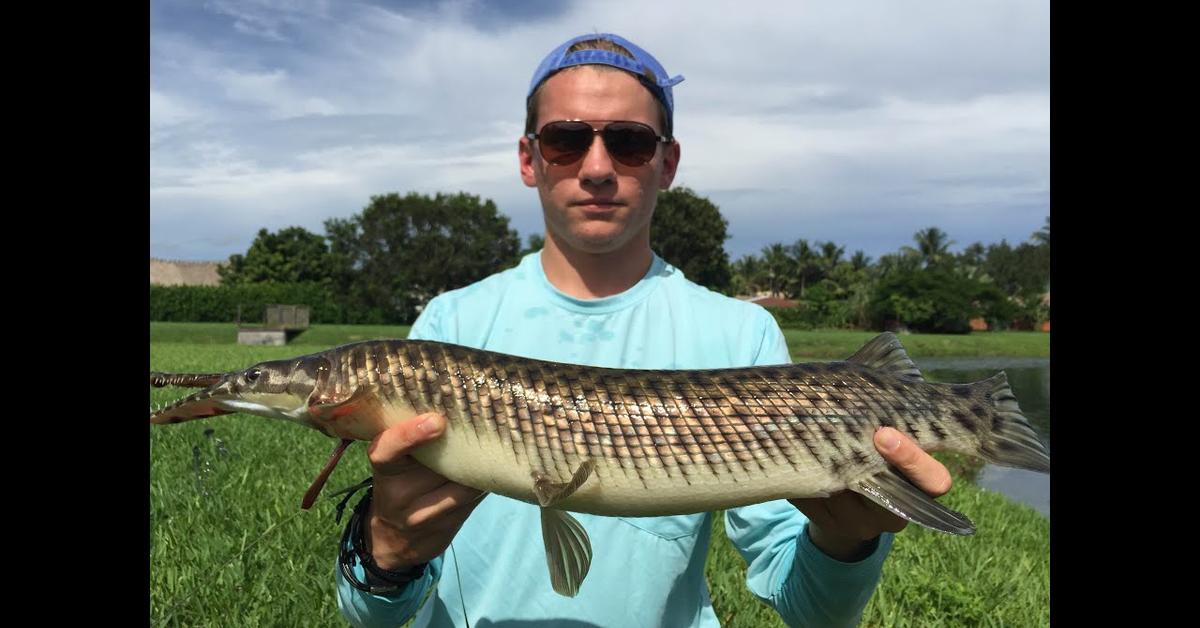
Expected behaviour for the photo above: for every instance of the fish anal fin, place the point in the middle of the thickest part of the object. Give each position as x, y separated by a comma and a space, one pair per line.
568, 551
894, 492
885, 353
549, 492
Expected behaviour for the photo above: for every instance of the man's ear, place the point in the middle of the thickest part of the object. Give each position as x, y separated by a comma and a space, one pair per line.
528, 158
670, 165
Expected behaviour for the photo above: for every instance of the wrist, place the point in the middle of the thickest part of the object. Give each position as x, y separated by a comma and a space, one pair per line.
377, 580
840, 547
382, 543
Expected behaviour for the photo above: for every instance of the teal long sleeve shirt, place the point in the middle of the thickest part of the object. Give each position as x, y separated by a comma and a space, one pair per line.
646, 571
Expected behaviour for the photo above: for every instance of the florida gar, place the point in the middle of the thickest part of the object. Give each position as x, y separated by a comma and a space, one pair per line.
627, 442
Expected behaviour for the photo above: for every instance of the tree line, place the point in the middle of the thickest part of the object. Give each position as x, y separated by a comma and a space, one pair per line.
384, 263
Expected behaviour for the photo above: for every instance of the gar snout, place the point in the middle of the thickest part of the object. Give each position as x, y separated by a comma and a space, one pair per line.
277, 389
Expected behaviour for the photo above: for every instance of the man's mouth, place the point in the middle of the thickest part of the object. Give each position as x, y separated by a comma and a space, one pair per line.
597, 204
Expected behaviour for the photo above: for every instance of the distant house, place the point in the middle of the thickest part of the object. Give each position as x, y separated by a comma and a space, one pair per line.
179, 273
773, 302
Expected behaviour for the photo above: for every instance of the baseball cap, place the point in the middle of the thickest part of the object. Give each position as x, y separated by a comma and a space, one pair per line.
559, 59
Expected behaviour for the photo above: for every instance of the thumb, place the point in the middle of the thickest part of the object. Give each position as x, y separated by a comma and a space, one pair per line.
389, 451
907, 456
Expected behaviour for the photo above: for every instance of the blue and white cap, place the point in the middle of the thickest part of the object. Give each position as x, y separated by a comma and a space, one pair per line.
559, 59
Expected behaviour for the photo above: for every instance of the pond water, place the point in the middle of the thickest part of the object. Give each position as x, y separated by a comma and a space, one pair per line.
1030, 381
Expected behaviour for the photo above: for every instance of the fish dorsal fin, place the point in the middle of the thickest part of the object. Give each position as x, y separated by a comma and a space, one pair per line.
885, 353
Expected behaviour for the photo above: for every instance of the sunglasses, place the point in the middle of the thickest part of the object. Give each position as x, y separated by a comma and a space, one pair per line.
566, 141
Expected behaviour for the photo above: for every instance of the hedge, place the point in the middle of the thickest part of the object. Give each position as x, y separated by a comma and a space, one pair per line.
219, 304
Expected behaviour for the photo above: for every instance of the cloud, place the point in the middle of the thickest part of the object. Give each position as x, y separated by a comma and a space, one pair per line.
859, 122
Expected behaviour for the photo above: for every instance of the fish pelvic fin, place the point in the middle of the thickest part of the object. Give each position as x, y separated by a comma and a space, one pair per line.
568, 551
896, 493
1010, 440
885, 353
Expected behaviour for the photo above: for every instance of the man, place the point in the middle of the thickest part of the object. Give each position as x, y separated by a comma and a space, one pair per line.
598, 295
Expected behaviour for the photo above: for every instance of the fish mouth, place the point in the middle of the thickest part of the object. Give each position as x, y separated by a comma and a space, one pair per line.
198, 405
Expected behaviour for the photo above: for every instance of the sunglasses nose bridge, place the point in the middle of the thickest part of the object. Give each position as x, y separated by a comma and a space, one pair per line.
597, 142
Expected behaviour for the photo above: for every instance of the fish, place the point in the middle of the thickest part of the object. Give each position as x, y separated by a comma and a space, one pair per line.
633, 442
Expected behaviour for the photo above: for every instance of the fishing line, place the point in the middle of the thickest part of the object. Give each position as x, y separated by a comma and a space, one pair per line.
458, 576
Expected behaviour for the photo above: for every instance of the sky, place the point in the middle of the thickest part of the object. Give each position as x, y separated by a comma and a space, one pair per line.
856, 121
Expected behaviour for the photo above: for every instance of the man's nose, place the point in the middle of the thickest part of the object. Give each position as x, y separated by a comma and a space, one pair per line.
597, 166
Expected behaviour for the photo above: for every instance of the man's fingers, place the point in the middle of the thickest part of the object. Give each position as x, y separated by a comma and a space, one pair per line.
907, 456
389, 451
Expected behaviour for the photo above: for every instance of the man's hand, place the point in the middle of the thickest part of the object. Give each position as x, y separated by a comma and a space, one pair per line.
845, 525
415, 512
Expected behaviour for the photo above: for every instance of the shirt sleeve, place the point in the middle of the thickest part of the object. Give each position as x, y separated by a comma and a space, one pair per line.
429, 324
784, 569
365, 609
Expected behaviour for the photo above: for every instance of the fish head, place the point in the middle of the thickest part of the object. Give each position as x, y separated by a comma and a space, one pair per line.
279, 389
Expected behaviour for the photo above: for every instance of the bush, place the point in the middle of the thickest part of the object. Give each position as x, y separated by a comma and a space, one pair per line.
932, 300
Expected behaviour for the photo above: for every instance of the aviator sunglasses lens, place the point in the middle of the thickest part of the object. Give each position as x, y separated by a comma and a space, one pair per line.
630, 143
565, 143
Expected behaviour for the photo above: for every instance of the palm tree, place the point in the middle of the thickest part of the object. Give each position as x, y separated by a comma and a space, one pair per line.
751, 272
778, 265
933, 245
1042, 236
859, 260
806, 263
831, 255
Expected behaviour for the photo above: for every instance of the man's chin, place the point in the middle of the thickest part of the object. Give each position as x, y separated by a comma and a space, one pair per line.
598, 241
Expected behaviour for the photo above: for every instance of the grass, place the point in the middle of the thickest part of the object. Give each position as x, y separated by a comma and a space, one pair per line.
998, 577
229, 545
841, 344
803, 344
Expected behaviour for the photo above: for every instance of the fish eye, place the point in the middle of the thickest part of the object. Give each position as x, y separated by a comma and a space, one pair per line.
253, 374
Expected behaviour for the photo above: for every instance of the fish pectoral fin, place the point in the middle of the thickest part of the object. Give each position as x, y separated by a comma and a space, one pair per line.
568, 551
896, 493
885, 353
550, 492
310, 495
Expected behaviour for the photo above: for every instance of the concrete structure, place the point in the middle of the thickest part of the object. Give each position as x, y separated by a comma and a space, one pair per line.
262, 337
179, 273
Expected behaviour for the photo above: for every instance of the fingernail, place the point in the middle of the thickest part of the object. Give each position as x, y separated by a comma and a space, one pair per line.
429, 425
889, 441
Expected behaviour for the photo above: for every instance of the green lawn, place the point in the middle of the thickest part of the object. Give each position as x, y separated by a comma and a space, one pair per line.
804, 345
839, 344
229, 545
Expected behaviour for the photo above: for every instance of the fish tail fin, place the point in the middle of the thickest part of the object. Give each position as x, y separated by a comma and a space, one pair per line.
1010, 440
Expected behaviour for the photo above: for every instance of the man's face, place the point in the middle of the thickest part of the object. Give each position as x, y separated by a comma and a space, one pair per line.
597, 204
